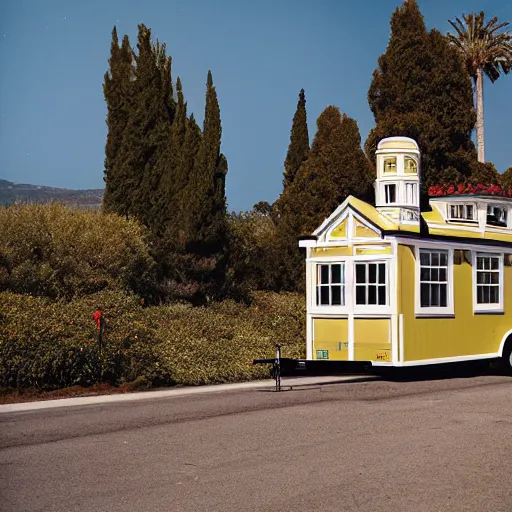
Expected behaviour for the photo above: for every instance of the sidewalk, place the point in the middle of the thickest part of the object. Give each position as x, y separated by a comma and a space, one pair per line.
286, 384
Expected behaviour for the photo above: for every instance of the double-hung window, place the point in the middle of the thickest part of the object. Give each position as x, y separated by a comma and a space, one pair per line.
330, 289
410, 193
390, 193
371, 283
434, 282
488, 287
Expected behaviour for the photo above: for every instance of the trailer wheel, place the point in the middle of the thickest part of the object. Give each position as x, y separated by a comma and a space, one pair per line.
506, 358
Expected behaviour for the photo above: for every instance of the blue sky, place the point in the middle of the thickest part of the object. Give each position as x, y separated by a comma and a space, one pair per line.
53, 55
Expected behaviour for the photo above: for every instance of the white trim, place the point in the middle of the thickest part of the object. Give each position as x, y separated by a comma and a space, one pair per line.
401, 341
503, 341
441, 360
394, 338
350, 333
449, 309
446, 244
307, 243
488, 308
342, 258
309, 336
344, 216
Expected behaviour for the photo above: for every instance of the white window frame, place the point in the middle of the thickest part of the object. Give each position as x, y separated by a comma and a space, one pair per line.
435, 311
386, 284
386, 193
414, 199
313, 264
405, 166
465, 207
489, 308
330, 284
385, 159
507, 213
350, 306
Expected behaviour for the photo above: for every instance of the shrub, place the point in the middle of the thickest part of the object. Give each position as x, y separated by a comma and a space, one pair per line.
51, 345
59, 252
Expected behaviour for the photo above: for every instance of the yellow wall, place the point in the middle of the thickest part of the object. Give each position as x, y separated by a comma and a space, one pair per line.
327, 334
372, 339
467, 333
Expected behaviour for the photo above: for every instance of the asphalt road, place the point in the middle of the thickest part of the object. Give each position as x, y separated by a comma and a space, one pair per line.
433, 445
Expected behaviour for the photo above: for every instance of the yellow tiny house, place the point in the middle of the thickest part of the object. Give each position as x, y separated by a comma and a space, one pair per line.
394, 286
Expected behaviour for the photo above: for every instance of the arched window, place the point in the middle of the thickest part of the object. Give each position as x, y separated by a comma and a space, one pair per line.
411, 167
390, 165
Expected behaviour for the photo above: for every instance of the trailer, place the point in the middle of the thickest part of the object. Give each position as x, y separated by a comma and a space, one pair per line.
395, 286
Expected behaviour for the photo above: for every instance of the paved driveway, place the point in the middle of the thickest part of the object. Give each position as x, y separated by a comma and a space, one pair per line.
440, 445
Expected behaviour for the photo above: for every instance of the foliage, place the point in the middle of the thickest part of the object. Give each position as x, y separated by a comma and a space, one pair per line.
421, 90
206, 230
117, 89
482, 45
484, 50
298, 150
253, 248
54, 344
49, 345
336, 168
59, 252
506, 179
484, 173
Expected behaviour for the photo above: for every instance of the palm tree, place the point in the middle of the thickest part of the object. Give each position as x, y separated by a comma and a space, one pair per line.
484, 50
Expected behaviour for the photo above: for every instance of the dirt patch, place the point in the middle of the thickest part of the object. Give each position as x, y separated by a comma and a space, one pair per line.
13, 396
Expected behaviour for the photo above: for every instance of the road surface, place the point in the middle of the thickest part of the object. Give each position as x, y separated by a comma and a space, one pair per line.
420, 446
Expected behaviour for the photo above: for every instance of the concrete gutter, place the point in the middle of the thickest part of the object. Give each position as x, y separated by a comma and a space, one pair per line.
286, 383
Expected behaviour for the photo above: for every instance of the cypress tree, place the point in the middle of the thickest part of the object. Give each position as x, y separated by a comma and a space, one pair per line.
298, 150
206, 190
147, 131
206, 229
421, 90
336, 168
169, 168
117, 90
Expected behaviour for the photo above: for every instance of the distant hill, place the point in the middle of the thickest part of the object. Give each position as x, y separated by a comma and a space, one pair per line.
11, 193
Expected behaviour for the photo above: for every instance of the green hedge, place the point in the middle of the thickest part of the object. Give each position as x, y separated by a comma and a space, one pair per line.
59, 252
52, 344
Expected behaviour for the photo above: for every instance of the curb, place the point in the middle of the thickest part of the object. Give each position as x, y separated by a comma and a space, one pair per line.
174, 393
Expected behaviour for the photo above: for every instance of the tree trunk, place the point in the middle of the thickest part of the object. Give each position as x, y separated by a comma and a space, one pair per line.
480, 143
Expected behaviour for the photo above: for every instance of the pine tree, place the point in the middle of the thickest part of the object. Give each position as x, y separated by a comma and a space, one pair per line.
298, 150
421, 90
117, 89
336, 168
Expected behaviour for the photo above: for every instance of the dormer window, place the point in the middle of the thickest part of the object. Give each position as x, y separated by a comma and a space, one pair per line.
497, 215
462, 212
411, 167
390, 165
390, 193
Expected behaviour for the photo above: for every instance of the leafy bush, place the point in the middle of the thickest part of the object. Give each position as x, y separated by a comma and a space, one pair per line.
59, 252
51, 345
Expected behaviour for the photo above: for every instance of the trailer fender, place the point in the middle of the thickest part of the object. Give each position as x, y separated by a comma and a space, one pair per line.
504, 340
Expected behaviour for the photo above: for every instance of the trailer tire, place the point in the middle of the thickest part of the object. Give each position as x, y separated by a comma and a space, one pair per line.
506, 358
